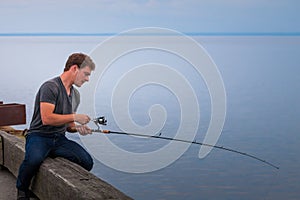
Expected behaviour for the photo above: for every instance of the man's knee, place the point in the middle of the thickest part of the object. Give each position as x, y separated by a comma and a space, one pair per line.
88, 164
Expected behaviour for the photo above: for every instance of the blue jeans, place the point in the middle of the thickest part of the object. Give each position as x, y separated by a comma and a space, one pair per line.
38, 147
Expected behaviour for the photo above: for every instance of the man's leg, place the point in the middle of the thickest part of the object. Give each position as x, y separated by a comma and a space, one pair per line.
36, 150
72, 151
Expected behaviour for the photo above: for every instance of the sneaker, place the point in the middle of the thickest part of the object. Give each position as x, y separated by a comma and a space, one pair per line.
22, 195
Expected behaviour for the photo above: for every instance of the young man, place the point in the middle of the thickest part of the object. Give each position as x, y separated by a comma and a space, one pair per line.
54, 113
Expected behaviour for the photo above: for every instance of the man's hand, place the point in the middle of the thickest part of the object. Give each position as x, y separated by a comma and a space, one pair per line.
81, 118
83, 130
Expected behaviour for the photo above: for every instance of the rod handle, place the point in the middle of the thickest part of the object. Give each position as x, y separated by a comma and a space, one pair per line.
105, 131
72, 129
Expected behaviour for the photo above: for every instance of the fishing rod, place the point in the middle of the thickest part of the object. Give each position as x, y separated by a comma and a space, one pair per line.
102, 121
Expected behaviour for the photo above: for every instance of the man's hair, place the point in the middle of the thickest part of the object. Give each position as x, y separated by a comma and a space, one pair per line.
79, 59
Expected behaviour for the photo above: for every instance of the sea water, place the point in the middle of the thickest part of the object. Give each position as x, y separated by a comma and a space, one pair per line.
261, 81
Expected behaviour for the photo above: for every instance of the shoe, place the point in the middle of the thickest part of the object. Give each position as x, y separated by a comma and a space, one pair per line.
22, 195
32, 195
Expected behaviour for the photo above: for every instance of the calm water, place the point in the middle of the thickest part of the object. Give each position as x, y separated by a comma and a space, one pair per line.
261, 78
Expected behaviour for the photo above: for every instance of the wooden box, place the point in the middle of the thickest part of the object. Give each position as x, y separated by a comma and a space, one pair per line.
12, 114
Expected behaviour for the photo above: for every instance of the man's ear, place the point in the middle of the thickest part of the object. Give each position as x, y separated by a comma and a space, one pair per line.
74, 68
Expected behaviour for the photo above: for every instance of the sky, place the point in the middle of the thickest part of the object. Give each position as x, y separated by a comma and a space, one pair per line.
113, 16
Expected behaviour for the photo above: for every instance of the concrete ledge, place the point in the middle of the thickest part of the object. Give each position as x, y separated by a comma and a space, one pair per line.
1, 151
57, 178
13, 152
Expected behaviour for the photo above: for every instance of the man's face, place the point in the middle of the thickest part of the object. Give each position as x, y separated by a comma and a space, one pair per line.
82, 75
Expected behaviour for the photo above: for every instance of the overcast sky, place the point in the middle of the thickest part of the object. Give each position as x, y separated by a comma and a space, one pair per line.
112, 16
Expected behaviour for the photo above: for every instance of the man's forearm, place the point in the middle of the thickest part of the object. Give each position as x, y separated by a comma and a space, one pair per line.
57, 119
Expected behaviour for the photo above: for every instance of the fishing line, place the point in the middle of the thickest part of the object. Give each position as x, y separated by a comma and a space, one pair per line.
102, 121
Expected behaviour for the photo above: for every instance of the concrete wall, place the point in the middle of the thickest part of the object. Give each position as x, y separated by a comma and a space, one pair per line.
57, 178
1, 151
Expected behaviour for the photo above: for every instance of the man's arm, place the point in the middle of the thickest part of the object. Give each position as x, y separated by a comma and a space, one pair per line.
50, 118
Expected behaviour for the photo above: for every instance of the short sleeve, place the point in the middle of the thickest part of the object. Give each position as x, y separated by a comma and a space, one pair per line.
49, 92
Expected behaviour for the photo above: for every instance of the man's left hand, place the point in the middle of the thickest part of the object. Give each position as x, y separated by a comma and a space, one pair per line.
83, 130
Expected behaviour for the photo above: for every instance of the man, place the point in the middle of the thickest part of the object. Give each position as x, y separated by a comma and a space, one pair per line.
54, 113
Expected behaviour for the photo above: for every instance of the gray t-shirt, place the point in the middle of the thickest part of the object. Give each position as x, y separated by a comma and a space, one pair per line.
54, 92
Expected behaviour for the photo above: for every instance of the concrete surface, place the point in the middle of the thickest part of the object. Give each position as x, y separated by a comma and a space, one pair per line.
57, 178
8, 189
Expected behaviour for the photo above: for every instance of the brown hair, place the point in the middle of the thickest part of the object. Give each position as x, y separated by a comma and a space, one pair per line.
79, 59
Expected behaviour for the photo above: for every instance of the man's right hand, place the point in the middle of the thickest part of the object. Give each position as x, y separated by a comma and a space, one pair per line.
81, 118
83, 130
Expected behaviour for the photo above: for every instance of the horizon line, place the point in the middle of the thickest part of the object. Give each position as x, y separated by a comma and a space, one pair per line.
74, 34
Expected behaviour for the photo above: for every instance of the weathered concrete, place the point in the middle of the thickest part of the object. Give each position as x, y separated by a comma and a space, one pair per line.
58, 178
13, 152
1, 151
8, 190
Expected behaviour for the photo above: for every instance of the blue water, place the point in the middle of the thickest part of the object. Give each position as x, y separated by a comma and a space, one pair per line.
261, 78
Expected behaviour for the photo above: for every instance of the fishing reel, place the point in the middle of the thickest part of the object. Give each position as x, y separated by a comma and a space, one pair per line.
100, 121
